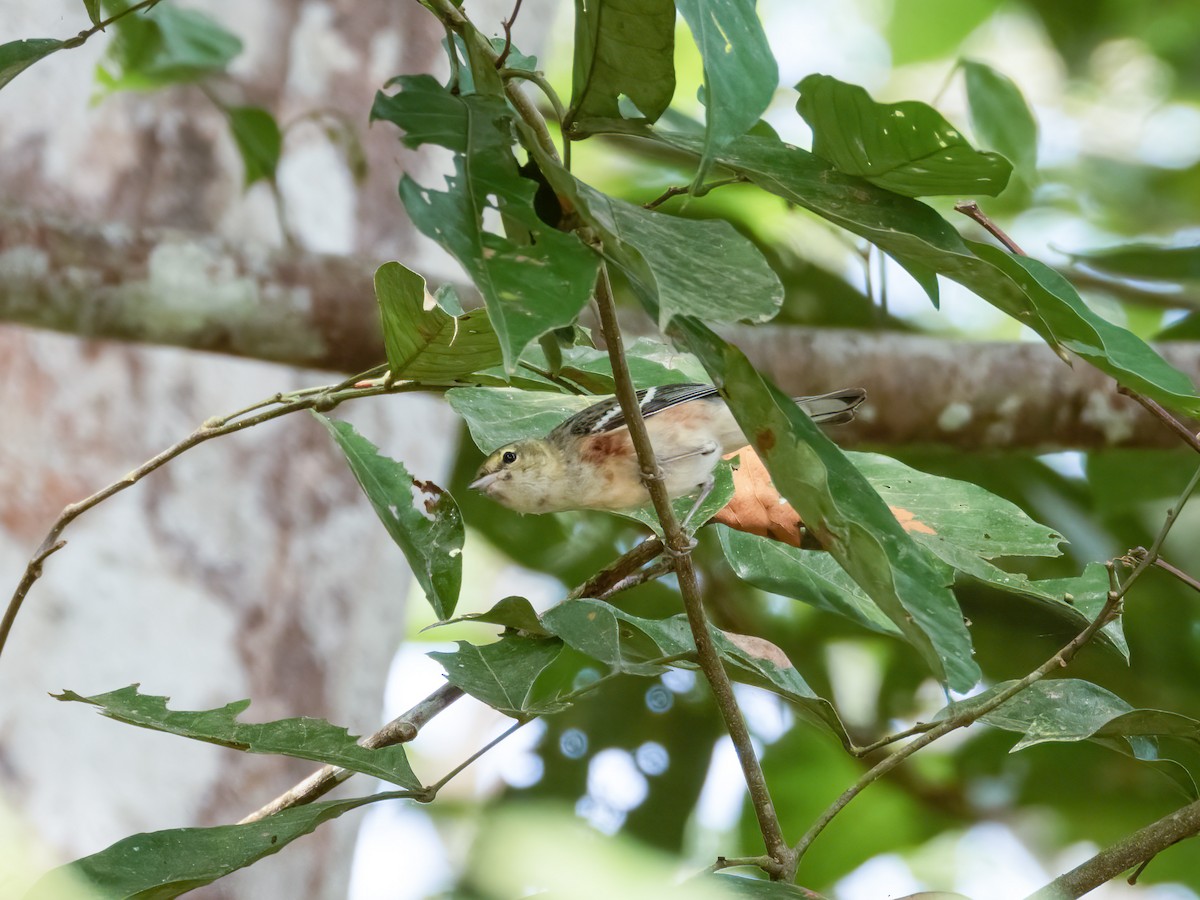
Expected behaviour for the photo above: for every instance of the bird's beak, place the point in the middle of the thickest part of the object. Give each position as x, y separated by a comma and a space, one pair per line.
483, 482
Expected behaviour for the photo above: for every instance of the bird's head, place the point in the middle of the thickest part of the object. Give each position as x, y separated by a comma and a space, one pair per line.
526, 476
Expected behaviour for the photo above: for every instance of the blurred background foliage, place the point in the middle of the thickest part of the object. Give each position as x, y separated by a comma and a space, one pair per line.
1115, 89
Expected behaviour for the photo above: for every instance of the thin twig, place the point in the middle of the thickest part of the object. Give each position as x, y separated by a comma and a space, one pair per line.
972, 714
1141, 560
1187, 436
971, 210
602, 584
322, 399
400, 730
679, 546
456, 20
1183, 576
79, 39
508, 24
1126, 853
919, 728
432, 790
676, 191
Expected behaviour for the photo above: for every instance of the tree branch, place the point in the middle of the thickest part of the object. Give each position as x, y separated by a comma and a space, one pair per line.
679, 546
1125, 854
318, 312
967, 717
400, 730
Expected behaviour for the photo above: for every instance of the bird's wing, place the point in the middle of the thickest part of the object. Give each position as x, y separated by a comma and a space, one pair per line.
607, 416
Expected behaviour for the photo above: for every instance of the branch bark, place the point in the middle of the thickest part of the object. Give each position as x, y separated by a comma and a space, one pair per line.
318, 311
1125, 854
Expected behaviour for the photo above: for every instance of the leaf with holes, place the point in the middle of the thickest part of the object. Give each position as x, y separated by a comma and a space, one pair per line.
530, 288
163, 864
905, 147
302, 738
427, 344
622, 47
842, 511
740, 72
503, 674
422, 519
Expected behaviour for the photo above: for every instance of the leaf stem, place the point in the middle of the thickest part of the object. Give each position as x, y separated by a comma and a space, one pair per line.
1178, 573
1187, 436
508, 24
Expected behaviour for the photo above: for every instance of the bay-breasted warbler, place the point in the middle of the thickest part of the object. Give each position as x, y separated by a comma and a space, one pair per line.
589, 462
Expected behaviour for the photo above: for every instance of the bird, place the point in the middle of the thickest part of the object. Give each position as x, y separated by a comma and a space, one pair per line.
589, 461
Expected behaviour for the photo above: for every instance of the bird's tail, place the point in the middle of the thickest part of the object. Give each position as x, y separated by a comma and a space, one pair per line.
835, 408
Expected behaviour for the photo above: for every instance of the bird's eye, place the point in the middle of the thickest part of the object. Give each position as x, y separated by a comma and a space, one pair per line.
508, 458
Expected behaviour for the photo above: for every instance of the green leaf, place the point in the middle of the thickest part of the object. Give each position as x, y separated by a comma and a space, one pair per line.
1080, 600
422, 519
912, 233
634, 645
810, 576
17, 56
515, 613
957, 512
165, 45
1069, 709
650, 363
258, 140
429, 345
1110, 348
905, 147
622, 47
529, 289
690, 267
1000, 116
740, 73
93, 11
502, 674
466, 78
1144, 260
920, 30
302, 738
627, 643
843, 512
499, 416
959, 523
163, 864
757, 661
